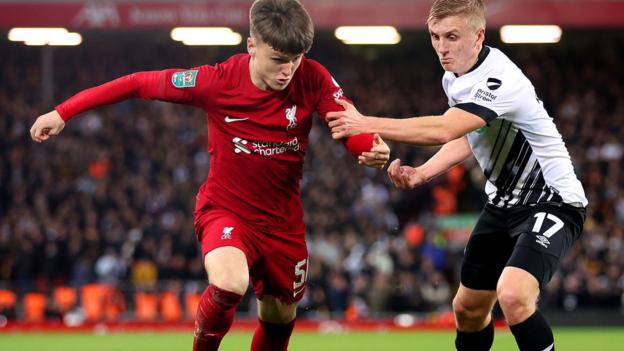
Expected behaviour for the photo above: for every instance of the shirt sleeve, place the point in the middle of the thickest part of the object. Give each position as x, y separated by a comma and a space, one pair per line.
190, 87
330, 90
491, 98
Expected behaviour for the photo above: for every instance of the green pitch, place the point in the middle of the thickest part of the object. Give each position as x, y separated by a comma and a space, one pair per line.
577, 339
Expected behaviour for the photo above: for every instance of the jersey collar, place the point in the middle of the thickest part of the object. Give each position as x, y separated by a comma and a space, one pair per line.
483, 54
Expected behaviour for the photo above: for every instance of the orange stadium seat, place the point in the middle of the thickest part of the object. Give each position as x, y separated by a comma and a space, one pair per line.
114, 303
455, 178
145, 306
92, 301
445, 201
191, 301
170, 307
65, 298
8, 299
34, 307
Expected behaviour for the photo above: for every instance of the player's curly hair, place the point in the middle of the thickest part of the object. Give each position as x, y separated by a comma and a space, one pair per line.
282, 24
473, 10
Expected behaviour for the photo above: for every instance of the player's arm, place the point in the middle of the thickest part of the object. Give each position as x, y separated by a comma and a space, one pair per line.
428, 130
451, 154
151, 85
370, 149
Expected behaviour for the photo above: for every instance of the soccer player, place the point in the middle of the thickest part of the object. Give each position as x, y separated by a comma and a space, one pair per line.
536, 205
248, 215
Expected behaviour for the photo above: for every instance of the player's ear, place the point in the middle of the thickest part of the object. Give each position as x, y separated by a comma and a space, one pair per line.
480, 36
251, 46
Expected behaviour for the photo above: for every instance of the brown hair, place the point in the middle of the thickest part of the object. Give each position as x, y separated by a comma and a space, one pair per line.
282, 24
473, 10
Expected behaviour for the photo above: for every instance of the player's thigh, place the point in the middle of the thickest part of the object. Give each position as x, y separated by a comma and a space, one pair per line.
281, 271
222, 236
227, 269
487, 251
546, 234
274, 310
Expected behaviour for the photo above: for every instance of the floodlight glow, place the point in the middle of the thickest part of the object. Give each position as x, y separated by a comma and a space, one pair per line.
519, 34
70, 39
24, 34
45, 36
206, 36
386, 35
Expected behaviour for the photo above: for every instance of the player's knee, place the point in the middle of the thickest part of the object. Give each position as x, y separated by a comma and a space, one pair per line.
469, 311
516, 304
233, 284
274, 311
281, 316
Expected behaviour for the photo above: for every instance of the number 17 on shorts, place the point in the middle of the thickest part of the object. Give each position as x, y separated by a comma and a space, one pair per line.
542, 238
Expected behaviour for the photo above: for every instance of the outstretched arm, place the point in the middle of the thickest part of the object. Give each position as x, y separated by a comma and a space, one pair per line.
429, 130
152, 85
451, 154
149, 85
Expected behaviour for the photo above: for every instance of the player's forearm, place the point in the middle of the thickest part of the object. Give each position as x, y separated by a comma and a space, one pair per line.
424, 131
451, 154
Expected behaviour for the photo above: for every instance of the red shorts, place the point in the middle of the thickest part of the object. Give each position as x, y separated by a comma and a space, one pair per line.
277, 263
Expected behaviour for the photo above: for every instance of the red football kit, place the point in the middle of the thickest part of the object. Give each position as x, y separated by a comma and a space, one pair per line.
257, 141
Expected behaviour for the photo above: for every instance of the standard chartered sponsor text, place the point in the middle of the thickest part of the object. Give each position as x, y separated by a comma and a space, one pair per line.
266, 148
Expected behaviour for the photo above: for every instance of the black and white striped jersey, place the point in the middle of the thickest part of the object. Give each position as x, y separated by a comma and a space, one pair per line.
520, 149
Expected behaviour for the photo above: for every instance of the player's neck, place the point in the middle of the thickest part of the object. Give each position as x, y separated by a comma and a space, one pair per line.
471, 63
256, 80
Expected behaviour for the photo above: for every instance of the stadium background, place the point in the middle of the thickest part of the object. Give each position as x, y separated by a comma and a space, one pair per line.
96, 225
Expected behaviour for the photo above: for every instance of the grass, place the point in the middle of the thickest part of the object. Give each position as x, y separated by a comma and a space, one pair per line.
568, 339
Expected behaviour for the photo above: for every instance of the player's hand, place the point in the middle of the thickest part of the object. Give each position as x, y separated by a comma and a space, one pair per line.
50, 124
346, 123
378, 155
405, 177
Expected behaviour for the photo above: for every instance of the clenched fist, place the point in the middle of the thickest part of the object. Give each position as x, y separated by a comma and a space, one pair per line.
50, 124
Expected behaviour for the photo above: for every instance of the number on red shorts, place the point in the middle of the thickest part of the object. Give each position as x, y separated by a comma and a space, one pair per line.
300, 271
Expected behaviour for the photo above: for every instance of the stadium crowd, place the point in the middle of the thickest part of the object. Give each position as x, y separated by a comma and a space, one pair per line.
111, 200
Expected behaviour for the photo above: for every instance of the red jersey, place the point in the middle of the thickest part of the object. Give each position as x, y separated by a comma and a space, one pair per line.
257, 139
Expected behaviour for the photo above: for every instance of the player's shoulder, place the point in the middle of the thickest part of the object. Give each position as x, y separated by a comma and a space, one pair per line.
498, 74
231, 64
312, 64
226, 72
499, 63
311, 68
311, 76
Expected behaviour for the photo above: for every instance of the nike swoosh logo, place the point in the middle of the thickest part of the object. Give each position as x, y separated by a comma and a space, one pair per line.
549, 348
229, 119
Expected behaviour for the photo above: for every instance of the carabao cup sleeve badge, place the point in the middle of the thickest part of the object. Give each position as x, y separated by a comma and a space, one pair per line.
184, 79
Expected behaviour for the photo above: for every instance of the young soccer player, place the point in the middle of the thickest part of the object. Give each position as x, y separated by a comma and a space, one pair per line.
536, 206
248, 216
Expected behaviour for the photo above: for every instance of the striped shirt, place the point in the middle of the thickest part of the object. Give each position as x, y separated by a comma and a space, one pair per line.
520, 149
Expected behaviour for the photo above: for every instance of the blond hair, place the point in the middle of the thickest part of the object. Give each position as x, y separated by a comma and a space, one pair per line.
472, 10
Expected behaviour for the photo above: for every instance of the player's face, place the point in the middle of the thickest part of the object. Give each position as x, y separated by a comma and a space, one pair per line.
271, 69
456, 42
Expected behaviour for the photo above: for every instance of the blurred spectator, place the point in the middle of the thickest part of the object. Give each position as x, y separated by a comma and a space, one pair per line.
109, 267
